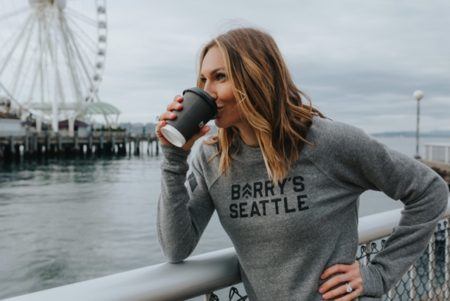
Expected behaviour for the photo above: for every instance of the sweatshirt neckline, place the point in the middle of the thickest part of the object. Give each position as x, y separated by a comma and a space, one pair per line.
246, 152
246, 145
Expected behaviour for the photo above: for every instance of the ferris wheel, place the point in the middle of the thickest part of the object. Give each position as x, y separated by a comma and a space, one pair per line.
52, 56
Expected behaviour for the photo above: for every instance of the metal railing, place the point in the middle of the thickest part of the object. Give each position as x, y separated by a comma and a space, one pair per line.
427, 279
438, 152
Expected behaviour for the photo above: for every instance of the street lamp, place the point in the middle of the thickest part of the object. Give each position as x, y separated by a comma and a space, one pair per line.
418, 95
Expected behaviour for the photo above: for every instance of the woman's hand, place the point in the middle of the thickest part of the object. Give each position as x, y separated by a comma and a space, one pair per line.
169, 115
345, 284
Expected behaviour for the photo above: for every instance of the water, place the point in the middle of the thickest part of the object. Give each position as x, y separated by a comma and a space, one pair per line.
65, 221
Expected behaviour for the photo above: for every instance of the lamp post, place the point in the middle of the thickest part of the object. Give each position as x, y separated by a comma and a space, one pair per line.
418, 95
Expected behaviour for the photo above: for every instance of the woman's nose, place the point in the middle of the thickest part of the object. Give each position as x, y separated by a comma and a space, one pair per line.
210, 92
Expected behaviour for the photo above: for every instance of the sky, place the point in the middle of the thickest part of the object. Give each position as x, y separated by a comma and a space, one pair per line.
359, 61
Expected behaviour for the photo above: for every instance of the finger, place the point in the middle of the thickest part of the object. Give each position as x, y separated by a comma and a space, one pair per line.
168, 116
203, 131
177, 98
158, 133
341, 290
159, 125
352, 296
174, 106
334, 281
337, 268
177, 106
163, 140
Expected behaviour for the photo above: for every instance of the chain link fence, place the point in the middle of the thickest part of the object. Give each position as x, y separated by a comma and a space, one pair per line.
428, 278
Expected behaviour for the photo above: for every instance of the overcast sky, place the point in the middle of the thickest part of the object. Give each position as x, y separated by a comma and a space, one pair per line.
360, 61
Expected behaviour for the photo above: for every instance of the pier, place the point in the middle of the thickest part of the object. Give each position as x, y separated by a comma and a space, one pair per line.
34, 145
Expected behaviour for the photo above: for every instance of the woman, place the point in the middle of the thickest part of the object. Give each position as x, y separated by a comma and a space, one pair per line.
285, 182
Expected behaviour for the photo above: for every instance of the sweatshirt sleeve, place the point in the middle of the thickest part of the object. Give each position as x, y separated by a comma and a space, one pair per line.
182, 213
362, 163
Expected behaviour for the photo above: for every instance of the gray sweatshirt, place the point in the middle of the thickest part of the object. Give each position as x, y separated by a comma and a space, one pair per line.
286, 235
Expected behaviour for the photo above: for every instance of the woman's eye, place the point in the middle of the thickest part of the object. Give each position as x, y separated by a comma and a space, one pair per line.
220, 76
202, 79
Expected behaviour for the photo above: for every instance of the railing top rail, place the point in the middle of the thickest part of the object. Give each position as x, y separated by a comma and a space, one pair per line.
195, 276
381, 224
165, 281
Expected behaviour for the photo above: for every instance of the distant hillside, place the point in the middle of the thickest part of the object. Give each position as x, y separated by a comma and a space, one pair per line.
440, 134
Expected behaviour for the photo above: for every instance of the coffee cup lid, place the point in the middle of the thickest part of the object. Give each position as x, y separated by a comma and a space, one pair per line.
204, 95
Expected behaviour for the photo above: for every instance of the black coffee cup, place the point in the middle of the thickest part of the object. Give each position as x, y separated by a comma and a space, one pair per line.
198, 108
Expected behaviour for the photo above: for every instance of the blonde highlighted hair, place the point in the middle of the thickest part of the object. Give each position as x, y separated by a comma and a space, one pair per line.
267, 98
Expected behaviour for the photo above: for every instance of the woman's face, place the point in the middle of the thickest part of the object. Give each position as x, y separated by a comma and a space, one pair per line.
216, 82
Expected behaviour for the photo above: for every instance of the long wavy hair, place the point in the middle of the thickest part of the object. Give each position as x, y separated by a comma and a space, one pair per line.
267, 98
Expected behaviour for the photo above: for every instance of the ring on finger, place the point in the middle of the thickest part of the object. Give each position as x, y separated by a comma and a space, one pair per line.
349, 288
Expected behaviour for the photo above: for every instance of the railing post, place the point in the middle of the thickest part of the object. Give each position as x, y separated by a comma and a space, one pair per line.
412, 273
431, 266
431, 152
447, 161
365, 247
